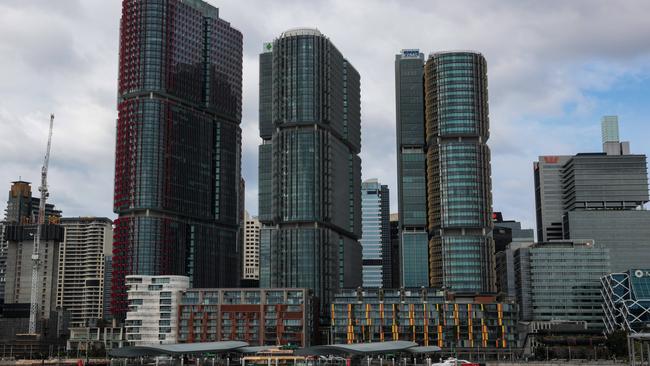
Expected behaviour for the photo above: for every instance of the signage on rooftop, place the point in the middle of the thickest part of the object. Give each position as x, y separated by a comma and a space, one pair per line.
411, 53
639, 273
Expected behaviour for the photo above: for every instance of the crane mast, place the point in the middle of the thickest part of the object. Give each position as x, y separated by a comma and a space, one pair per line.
34, 301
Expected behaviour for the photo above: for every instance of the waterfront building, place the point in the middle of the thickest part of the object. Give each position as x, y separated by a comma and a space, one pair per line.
96, 338
178, 145
152, 317
459, 187
560, 281
411, 170
626, 301
86, 243
309, 165
260, 317
375, 240
427, 316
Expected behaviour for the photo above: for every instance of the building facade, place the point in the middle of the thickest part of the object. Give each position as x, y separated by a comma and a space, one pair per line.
560, 281
19, 265
509, 231
459, 187
604, 198
549, 203
153, 308
22, 208
425, 316
626, 301
86, 243
3, 260
96, 338
178, 148
251, 252
309, 165
257, 316
375, 240
395, 252
411, 169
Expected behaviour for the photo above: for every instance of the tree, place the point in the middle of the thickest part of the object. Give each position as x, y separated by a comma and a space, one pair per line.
617, 343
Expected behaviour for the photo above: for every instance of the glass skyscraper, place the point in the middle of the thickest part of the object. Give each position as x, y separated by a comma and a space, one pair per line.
375, 241
309, 165
411, 170
178, 147
459, 189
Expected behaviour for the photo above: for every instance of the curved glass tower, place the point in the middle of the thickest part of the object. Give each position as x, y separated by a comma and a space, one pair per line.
459, 194
309, 166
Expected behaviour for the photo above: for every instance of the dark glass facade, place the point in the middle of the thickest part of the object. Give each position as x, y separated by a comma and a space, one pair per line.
411, 170
459, 198
310, 171
178, 148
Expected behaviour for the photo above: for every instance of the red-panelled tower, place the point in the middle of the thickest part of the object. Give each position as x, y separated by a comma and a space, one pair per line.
178, 148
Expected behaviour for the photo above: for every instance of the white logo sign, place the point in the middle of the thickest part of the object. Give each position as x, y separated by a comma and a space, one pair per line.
641, 273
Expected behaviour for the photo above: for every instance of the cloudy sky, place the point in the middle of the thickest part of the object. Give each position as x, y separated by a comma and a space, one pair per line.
554, 68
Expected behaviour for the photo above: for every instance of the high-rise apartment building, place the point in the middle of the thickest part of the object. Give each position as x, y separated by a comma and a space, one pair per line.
459, 188
80, 290
549, 203
18, 273
251, 252
309, 165
22, 207
375, 240
411, 170
178, 155
152, 316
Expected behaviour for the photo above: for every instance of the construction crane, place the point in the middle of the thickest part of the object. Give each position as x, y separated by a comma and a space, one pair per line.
36, 289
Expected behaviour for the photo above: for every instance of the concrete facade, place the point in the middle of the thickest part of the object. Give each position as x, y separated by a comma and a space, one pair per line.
153, 308
81, 272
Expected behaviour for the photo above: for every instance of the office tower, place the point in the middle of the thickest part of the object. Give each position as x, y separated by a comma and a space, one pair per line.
80, 291
505, 268
152, 317
22, 208
411, 170
251, 253
561, 281
626, 301
178, 155
611, 143
260, 317
375, 240
395, 252
609, 129
604, 198
549, 206
18, 274
459, 189
309, 165
509, 231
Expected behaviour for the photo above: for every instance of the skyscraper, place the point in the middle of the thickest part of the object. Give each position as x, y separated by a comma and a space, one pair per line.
411, 170
609, 129
177, 168
251, 252
309, 165
549, 206
87, 242
459, 188
375, 240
